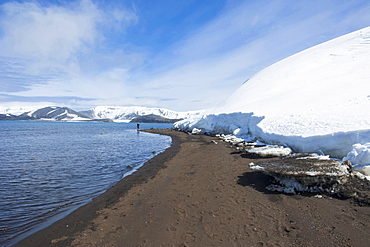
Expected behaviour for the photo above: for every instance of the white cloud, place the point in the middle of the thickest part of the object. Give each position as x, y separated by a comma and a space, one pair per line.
53, 34
105, 85
56, 38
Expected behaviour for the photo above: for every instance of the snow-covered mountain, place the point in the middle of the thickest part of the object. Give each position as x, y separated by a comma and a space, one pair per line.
99, 113
318, 99
58, 114
127, 113
52, 113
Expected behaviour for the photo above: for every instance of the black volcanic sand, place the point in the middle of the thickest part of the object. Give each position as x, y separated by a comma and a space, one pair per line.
198, 193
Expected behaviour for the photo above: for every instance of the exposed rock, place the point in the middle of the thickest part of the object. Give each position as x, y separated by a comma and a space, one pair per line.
310, 173
316, 174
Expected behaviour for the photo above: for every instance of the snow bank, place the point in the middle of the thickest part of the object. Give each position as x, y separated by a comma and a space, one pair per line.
249, 126
316, 100
235, 123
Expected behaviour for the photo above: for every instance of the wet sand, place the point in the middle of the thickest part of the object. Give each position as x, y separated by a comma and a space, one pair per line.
198, 193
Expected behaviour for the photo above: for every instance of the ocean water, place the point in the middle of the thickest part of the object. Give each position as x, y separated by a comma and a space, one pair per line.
48, 169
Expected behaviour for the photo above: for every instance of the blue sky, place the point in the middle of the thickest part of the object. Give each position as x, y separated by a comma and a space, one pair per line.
180, 55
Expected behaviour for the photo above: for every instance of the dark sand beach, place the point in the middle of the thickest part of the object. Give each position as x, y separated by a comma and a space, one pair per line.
198, 193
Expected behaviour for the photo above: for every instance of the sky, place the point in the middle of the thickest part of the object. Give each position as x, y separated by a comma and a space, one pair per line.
179, 55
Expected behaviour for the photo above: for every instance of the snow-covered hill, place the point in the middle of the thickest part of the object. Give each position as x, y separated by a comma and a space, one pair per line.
318, 99
127, 113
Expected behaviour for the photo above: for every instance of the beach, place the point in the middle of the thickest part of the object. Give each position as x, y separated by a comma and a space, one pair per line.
201, 192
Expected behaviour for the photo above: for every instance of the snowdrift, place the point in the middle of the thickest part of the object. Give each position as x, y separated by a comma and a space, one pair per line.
318, 99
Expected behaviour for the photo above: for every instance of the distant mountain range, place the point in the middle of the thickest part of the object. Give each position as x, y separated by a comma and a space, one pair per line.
127, 113
100, 113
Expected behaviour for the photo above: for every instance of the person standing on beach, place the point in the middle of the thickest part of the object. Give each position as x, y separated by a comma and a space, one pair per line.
138, 126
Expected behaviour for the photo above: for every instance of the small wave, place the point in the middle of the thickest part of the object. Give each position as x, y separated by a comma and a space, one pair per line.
51, 169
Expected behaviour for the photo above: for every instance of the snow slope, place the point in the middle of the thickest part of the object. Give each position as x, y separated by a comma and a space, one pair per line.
126, 113
318, 99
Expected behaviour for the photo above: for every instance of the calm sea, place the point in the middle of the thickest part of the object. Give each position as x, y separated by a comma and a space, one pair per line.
48, 169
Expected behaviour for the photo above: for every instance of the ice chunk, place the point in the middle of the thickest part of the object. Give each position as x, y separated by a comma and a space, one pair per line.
196, 131
270, 151
360, 158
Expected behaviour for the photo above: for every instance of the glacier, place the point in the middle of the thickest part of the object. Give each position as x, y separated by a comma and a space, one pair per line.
317, 100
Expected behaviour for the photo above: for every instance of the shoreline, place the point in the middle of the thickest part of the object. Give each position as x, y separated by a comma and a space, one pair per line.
198, 193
